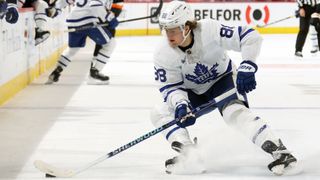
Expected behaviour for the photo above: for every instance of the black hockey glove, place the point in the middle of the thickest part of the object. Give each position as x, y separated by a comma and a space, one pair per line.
184, 115
246, 81
12, 15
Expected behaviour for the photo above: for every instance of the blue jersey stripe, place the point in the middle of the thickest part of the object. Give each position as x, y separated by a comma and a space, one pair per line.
95, 5
89, 25
101, 61
245, 33
66, 58
62, 63
171, 131
103, 55
166, 97
258, 133
81, 19
239, 31
170, 86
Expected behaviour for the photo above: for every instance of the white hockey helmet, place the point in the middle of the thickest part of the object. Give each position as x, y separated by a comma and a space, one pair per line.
176, 14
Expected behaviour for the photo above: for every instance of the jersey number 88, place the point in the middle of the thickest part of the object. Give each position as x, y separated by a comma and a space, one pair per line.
160, 75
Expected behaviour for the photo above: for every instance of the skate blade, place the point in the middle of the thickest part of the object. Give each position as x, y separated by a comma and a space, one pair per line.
293, 169
91, 81
49, 81
37, 42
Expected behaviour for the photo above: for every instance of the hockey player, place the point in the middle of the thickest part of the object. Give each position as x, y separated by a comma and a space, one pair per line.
192, 67
40, 18
84, 14
306, 9
9, 10
115, 6
315, 24
312, 34
314, 40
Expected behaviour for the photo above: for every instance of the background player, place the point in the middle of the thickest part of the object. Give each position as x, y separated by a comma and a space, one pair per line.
87, 14
313, 32
306, 8
115, 6
40, 18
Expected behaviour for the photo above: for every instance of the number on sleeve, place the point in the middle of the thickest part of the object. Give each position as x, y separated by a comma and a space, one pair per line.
226, 31
160, 74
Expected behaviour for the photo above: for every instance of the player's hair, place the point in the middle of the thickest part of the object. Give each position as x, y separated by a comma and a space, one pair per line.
192, 24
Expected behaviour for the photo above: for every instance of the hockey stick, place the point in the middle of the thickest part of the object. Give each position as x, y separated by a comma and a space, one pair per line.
52, 171
155, 14
277, 21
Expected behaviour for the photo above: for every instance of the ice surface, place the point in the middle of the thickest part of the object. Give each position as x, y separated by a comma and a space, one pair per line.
70, 124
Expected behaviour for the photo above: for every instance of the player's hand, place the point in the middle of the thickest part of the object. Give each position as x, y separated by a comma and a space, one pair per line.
302, 12
112, 20
246, 81
184, 115
12, 15
3, 8
52, 12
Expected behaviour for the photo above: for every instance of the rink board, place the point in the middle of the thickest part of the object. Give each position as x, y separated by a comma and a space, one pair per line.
232, 14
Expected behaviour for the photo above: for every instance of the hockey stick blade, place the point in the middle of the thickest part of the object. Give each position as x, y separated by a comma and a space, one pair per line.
155, 14
53, 171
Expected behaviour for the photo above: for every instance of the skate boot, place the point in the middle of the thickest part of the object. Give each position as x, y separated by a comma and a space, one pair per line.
298, 54
283, 159
54, 76
187, 162
41, 36
314, 51
97, 78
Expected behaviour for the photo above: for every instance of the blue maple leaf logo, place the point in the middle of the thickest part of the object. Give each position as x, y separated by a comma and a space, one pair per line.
203, 74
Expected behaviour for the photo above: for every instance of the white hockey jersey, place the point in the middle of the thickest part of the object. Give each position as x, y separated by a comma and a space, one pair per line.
84, 12
206, 62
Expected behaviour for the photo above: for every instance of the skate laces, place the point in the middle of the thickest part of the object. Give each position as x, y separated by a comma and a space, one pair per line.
278, 153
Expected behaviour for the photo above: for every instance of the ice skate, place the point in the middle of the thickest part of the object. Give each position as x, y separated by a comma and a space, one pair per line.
283, 162
187, 162
54, 76
314, 51
41, 36
298, 55
96, 78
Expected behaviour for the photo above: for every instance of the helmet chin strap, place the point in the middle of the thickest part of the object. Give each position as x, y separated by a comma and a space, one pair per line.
184, 36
